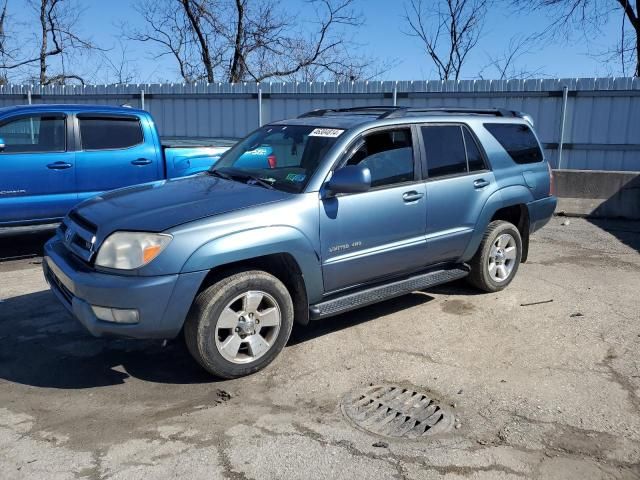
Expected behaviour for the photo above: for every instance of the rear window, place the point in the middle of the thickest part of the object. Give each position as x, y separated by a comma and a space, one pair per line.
518, 140
109, 133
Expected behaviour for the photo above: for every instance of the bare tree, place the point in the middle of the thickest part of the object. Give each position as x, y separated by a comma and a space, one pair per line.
118, 65
588, 16
267, 45
239, 40
505, 65
447, 29
56, 41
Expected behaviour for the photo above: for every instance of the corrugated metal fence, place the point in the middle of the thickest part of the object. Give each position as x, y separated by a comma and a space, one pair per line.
586, 123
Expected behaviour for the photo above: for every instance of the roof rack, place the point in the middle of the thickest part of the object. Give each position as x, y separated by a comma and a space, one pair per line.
382, 110
498, 112
386, 111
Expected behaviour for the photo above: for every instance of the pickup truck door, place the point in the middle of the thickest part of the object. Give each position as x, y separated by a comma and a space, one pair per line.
37, 168
114, 150
381, 232
459, 184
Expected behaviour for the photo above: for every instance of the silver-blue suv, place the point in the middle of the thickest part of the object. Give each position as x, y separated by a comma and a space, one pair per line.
350, 207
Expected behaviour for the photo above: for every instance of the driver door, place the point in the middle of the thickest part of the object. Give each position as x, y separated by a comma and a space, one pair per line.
381, 232
37, 169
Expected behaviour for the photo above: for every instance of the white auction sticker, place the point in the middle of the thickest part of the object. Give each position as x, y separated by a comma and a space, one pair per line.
326, 132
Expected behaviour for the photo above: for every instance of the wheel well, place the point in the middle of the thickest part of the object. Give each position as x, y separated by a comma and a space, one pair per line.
519, 216
282, 266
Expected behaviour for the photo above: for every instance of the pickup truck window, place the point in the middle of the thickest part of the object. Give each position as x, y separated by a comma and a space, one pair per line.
284, 156
110, 133
518, 140
389, 156
34, 134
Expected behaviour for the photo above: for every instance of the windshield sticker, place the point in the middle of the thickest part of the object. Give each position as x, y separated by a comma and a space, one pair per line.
296, 177
326, 132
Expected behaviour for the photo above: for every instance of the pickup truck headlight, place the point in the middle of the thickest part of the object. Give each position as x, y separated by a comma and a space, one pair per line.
130, 250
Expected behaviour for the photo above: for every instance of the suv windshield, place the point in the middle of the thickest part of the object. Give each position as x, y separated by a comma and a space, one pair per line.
282, 156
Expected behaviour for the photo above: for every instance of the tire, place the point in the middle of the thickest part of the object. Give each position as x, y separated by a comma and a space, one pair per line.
211, 337
486, 272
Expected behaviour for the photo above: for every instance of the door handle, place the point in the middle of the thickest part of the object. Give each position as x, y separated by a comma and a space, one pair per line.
141, 161
480, 183
59, 166
412, 196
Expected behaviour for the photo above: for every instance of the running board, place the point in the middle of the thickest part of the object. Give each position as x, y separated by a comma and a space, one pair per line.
361, 298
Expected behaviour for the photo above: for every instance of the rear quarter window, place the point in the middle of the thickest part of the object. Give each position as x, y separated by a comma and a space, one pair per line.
518, 140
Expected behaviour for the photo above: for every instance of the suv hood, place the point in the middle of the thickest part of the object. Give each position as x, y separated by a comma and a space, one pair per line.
161, 205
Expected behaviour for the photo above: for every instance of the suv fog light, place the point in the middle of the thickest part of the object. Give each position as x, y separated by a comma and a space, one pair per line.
116, 315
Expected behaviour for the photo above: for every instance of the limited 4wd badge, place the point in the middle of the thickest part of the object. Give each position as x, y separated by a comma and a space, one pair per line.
345, 246
326, 132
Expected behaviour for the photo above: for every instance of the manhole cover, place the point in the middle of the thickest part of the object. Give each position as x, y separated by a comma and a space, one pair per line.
395, 411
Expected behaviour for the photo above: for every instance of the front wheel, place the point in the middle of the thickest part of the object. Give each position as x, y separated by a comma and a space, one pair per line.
238, 325
498, 257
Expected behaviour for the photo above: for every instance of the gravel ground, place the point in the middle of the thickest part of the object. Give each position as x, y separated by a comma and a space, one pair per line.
544, 379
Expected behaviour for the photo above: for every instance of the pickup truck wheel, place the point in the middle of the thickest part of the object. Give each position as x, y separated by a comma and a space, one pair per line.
238, 325
498, 257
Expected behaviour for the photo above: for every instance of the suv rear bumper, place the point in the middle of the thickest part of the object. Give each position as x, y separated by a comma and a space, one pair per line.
162, 301
540, 212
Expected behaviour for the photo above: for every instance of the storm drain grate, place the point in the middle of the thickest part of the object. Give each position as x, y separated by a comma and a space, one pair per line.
395, 411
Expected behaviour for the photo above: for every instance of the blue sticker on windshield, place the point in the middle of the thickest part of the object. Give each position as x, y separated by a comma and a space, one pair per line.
296, 177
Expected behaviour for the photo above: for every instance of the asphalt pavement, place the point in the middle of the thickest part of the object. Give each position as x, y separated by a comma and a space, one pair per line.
541, 380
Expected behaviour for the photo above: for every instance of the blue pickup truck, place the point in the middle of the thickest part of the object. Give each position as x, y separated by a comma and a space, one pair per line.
359, 206
54, 156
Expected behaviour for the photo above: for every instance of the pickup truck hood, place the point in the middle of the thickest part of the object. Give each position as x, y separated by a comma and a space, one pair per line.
161, 205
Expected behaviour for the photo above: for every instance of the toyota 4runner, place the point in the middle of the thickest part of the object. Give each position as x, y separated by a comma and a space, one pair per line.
354, 206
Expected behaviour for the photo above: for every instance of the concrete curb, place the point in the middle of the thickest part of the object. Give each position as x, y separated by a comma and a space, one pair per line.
598, 194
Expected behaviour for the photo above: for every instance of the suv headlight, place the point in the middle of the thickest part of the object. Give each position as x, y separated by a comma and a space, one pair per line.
130, 250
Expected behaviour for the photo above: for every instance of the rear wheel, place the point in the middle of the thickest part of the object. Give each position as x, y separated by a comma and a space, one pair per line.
498, 257
240, 324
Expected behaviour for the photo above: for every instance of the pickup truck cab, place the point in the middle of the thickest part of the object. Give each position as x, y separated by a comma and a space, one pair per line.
363, 205
55, 156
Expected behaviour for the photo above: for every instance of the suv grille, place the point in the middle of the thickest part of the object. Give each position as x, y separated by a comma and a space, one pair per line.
79, 236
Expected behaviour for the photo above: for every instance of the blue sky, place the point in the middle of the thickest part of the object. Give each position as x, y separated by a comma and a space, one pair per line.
381, 37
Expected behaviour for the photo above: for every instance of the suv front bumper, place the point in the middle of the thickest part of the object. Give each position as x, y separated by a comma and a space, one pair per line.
162, 301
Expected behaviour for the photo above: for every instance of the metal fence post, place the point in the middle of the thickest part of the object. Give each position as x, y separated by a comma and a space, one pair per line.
29, 96
395, 95
142, 99
563, 119
259, 107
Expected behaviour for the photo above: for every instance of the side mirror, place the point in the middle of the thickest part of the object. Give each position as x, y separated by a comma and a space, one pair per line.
350, 179
2, 144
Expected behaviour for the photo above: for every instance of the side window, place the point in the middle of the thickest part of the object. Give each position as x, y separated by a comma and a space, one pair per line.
518, 140
445, 150
37, 133
389, 156
109, 133
476, 162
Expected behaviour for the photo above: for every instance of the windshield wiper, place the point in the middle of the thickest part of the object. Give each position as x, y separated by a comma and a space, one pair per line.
257, 181
240, 175
220, 174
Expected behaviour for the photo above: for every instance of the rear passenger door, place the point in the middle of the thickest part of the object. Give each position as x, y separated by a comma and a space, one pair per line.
459, 183
113, 153
37, 171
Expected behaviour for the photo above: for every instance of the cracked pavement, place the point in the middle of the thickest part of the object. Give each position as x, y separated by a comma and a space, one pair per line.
542, 390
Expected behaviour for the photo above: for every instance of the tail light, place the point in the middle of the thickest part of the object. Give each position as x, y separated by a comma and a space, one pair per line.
552, 183
273, 161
